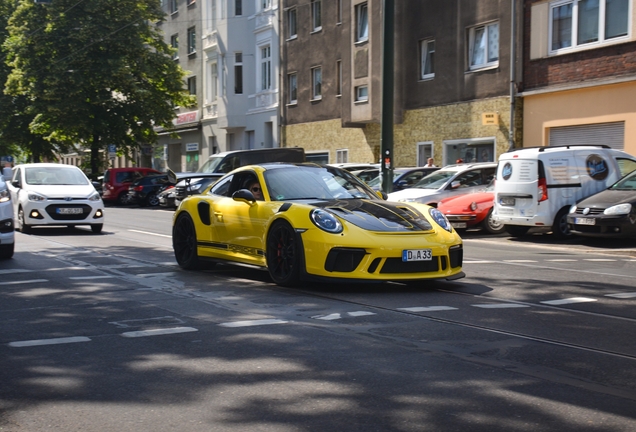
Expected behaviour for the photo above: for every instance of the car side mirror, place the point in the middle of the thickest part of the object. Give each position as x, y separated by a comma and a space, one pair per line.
244, 195
455, 184
16, 183
7, 173
172, 177
381, 194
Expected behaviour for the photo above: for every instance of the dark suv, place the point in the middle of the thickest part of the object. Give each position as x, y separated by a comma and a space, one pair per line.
144, 191
220, 164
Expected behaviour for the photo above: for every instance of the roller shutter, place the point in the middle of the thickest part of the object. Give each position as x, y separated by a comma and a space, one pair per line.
610, 134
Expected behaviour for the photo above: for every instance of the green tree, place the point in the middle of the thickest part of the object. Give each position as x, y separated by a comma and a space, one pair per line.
95, 72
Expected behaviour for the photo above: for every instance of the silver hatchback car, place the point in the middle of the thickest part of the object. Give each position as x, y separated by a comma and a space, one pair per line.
449, 181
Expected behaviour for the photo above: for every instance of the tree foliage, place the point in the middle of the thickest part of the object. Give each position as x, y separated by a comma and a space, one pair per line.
94, 72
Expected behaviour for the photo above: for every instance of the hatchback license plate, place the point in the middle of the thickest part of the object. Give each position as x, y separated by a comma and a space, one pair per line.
584, 221
458, 224
507, 201
417, 255
70, 210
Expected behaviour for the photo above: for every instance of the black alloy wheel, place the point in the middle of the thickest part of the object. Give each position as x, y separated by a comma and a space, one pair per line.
283, 260
152, 199
184, 242
560, 227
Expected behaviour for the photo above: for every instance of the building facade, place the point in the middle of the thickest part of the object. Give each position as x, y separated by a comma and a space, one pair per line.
579, 77
453, 74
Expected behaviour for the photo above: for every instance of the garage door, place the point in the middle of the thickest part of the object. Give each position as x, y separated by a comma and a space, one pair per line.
610, 134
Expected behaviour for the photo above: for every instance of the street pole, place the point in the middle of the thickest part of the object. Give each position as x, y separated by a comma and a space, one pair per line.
386, 137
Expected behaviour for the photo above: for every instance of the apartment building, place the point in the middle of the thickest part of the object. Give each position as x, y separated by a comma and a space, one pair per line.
579, 77
453, 97
230, 50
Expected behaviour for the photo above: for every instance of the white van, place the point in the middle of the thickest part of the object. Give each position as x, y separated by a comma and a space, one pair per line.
535, 187
7, 235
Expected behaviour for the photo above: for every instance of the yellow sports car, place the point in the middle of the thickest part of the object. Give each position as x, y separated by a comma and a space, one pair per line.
306, 222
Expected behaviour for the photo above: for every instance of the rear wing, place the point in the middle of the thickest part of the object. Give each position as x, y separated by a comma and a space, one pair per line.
174, 178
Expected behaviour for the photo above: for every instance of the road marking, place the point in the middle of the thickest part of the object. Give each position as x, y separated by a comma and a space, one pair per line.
150, 233
335, 316
480, 262
599, 259
55, 341
155, 274
90, 277
158, 332
12, 271
569, 301
499, 305
520, 261
24, 282
427, 309
253, 323
622, 295
360, 313
562, 260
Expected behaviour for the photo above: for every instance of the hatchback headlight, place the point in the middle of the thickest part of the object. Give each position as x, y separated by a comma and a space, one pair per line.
94, 197
621, 209
441, 220
573, 209
325, 221
5, 196
36, 197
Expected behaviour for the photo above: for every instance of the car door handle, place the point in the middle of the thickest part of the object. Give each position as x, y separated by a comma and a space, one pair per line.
218, 216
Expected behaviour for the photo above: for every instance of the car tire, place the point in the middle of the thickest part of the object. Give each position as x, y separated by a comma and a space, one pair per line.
184, 242
24, 227
123, 198
152, 200
560, 227
491, 225
282, 254
516, 230
6, 251
97, 228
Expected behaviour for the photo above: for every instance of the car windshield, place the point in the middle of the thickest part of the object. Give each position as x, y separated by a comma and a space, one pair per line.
626, 183
54, 176
376, 180
435, 180
298, 183
210, 165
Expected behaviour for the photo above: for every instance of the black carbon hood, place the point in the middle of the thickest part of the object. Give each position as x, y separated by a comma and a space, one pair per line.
380, 216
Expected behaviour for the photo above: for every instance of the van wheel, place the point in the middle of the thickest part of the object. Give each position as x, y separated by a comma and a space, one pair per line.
516, 230
560, 228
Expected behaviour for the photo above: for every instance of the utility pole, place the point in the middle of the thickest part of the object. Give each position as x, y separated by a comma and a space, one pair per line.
386, 138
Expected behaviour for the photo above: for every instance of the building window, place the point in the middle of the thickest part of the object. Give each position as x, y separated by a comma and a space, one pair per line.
214, 81
292, 85
211, 11
484, 46
427, 56
342, 156
291, 24
266, 68
238, 73
192, 40
173, 6
174, 43
338, 77
238, 7
579, 22
362, 22
192, 85
424, 151
362, 93
316, 19
339, 12
316, 83
190, 2
266, 4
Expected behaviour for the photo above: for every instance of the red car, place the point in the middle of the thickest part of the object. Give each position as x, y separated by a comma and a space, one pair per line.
472, 210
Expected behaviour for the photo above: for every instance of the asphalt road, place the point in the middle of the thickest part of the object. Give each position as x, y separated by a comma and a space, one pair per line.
106, 333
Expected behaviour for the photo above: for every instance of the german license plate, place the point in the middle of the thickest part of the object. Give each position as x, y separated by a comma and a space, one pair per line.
458, 224
70, 210
584, 221
417, 255
507, 201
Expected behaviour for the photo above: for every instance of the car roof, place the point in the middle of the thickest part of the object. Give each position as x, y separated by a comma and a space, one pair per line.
466, 166
45, 165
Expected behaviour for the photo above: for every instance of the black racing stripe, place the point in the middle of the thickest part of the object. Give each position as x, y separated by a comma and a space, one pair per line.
285, 207
566, 185
213, 245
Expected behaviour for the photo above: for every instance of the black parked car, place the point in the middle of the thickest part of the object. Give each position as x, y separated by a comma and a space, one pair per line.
145, 190
609, 213
403, 177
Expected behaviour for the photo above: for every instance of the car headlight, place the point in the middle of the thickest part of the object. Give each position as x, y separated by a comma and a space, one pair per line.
195, 187
573, 209
473, 206
621, 209
5, 196
325, 221
94, 197
441, 220
36, 197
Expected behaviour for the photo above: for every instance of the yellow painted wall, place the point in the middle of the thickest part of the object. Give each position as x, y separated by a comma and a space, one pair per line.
602, 104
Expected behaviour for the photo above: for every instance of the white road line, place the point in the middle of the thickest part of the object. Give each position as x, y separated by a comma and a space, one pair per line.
158, 332
150, 233
622, 295
12, 271
562, 260
253, 323
520, 261
54, 341
24, 282
479, 262
330, 317
427, 309
499, 305
599, 259
155, 274
360, 313
569, 301
90, 277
